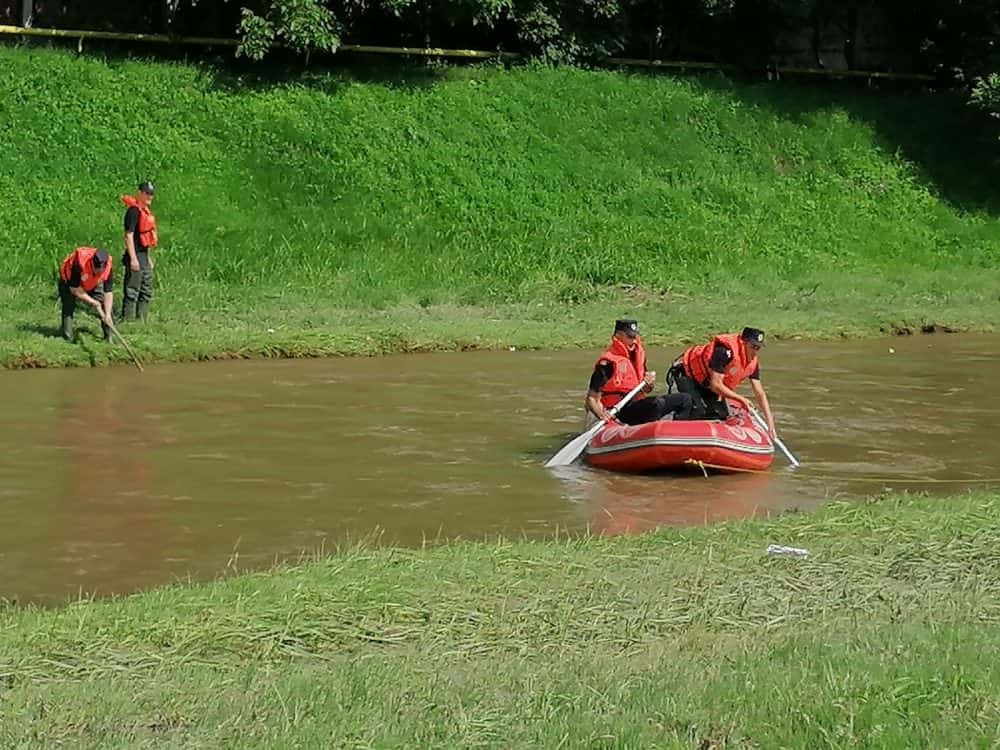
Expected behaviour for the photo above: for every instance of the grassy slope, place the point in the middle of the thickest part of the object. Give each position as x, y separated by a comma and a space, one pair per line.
675, 639
523, 194
438, 195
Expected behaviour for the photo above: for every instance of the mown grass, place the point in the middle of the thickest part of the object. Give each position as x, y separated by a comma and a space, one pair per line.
479, 192
683, 638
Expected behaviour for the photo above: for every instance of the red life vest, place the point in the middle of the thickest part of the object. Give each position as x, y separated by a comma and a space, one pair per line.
147, 222
89, 278
740, 367
630, 367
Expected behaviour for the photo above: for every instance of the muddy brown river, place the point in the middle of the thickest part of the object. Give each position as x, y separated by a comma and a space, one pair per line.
114, 480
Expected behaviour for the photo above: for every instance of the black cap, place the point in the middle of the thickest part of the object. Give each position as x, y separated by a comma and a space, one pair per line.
100, 258
753, 335
628, 327
147, 187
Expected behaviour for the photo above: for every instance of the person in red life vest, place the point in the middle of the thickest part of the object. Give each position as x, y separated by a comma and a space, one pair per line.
620, 369
710, 373
85, 275
140, 237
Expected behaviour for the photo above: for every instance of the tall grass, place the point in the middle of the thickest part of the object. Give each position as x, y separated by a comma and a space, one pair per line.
291, 202
472, 185
688, 638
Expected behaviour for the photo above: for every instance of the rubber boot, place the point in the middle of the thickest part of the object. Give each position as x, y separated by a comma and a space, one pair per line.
128, 309
67, 327
142, 310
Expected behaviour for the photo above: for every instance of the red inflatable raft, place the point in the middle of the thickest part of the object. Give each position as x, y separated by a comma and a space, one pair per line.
736, 444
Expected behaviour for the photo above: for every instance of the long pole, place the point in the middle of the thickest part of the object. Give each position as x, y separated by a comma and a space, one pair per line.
128, 348
763, 425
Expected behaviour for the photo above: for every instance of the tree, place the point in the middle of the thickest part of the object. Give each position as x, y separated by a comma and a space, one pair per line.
986, 94
299, 25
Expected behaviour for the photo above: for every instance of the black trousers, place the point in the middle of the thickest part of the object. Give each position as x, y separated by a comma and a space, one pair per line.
653, 408
137, 291
705, 403
69, 302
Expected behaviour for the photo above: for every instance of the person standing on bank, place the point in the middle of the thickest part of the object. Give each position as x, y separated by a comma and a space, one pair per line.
85, 275
620, 369
140, 237
711, 372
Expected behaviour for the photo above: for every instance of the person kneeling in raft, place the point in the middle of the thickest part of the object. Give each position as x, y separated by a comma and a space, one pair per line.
711, 372
618, 371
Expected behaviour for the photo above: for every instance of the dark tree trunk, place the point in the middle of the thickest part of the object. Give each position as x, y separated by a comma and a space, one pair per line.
851, 37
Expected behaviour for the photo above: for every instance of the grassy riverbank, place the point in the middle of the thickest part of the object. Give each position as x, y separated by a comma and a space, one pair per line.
284, 328
684, 638
441, 208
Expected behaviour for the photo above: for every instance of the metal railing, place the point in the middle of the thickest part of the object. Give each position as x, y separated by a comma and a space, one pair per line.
774, 71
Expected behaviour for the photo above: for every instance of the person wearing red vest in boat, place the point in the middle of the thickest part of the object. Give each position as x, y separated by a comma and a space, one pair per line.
710, 373
85, 275
140, 237
620, 369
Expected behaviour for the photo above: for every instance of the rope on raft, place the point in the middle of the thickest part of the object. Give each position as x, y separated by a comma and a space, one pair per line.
837, 478
703, 466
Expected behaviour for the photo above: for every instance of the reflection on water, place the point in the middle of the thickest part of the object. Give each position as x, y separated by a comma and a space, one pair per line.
626, 504
115, 480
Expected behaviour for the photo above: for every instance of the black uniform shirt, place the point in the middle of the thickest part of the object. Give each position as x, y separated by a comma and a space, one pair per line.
76, 277
601, 375
132, 225
722, 356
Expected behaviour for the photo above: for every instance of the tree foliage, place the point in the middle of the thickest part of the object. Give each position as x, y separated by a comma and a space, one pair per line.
986, 94
299, 25
953, 38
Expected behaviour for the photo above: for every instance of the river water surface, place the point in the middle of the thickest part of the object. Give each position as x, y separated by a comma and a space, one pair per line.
113, 480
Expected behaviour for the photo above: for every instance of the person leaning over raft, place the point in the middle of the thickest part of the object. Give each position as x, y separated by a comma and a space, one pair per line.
85, 275
710, 372
140, 236
618, 371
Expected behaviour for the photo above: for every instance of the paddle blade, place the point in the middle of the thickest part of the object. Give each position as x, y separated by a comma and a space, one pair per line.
572, 450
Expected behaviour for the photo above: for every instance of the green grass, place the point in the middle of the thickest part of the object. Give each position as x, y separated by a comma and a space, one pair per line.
408, 201
343, 213
684, 638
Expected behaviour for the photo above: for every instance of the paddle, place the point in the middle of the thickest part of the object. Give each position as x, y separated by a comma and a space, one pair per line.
763, 425
572, 450
121, 338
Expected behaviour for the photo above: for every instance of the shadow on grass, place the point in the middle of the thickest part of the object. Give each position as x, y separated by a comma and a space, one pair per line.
223, 71
83, 337
52, 332
328, 76
953, 146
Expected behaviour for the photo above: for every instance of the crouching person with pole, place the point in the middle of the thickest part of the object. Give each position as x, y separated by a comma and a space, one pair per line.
86, 276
